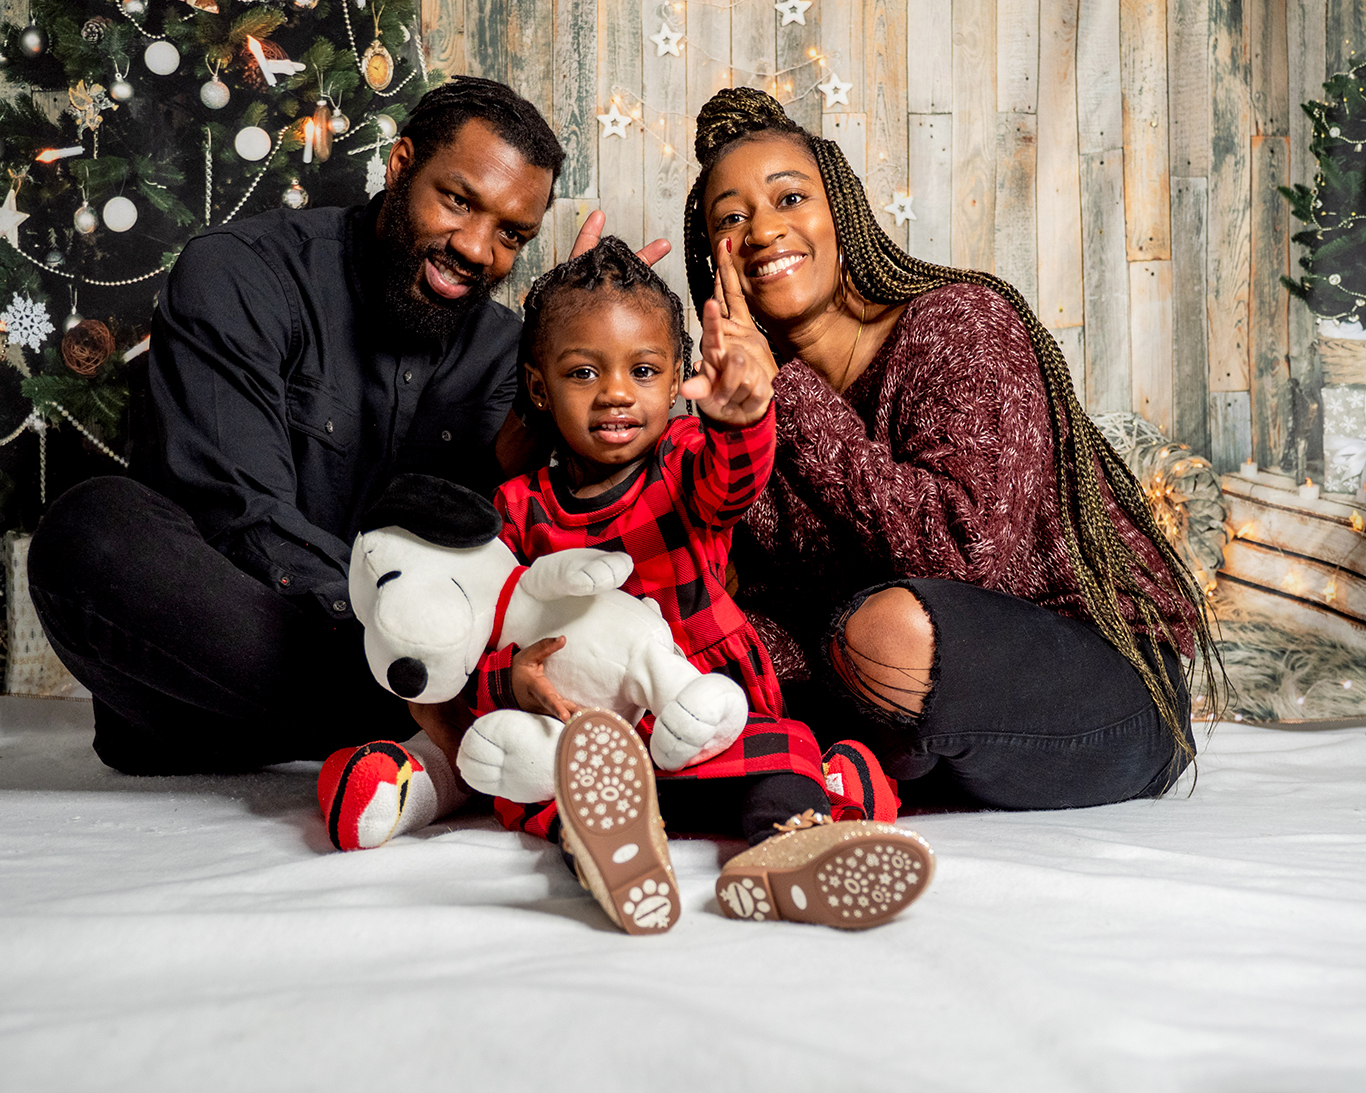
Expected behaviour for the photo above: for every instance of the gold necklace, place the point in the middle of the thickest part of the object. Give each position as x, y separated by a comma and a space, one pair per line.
844, 382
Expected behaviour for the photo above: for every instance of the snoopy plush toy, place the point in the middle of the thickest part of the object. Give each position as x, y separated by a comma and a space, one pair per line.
435, 588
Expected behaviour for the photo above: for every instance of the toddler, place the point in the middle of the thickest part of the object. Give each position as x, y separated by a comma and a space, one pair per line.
604, 343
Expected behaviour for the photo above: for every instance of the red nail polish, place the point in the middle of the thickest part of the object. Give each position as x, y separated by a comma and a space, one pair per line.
728, 246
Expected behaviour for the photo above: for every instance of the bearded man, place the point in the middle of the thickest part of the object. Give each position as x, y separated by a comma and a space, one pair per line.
298, 361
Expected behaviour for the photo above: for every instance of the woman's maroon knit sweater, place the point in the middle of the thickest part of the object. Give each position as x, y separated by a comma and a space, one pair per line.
938, 461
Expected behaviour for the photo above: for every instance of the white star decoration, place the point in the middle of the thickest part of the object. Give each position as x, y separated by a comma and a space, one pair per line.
793, 11
614, 123
667, 40
901, 208
836, 90
10, 219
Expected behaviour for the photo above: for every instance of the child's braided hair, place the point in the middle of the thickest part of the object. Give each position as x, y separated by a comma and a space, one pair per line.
611, 266
883, 273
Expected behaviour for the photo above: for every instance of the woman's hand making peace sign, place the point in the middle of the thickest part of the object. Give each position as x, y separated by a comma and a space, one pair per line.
733, 383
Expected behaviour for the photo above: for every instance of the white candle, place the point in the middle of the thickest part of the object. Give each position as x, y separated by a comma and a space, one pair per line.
259, 54
1248, 469
308, 141
50, 154
1309, 491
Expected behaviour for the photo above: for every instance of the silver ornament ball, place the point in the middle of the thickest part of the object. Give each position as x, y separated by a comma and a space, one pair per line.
388, 128
215, 94
33, 41
134, 7
85, 220
305, 5
339, 124
54, 257
295, 196
72, 320
120, 90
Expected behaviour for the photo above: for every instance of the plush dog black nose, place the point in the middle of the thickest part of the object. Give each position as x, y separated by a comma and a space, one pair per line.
407, 676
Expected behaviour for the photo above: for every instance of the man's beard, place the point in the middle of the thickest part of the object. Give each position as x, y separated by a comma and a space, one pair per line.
416, 314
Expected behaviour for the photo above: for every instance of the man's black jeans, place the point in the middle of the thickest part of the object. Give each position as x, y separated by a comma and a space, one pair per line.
195, 666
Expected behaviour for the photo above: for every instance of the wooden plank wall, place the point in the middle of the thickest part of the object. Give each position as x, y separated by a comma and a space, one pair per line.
1116, 160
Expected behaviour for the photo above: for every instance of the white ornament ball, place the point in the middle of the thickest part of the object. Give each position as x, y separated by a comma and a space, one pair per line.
388, 128
120, 214
252, 143
305, 5
120, 90
339, 124
162, 58
85, 220
215, 94
134, 7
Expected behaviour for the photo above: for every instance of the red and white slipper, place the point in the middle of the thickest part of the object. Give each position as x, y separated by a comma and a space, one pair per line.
857, 786
371, 793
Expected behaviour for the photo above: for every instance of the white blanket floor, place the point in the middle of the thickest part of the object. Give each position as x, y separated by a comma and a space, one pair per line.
200, 934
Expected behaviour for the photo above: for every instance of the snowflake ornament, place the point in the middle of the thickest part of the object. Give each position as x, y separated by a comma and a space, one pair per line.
27, 320
374, 175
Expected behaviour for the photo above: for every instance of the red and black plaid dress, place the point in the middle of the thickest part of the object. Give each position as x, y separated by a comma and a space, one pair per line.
674, 518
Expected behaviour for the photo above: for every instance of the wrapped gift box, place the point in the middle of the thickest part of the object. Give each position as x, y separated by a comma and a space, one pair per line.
1344, 436
31, 668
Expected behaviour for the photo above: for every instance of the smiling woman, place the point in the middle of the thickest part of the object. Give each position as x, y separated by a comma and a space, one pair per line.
957, 553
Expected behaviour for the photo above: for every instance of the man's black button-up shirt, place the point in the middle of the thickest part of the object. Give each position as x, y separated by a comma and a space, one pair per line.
279, 401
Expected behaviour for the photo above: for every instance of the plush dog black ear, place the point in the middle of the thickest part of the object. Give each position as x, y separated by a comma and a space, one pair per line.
436, 510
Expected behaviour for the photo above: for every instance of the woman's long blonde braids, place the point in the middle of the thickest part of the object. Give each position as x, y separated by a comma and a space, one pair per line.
1105, 565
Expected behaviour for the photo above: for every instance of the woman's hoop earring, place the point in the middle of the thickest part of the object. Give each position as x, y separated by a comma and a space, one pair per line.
846, 283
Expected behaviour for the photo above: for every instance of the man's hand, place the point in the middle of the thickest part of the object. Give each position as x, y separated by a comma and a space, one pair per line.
733, 383
591, 232
530, 687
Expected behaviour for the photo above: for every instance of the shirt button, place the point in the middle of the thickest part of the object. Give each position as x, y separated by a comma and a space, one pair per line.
445, 434
328, 425
284, 580
339, 606
408, 376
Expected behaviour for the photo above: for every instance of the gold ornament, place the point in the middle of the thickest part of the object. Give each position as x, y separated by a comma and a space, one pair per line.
87, 104
322, 130
378, 66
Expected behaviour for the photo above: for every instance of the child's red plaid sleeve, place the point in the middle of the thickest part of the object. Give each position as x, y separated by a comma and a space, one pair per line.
727, 468
490, 685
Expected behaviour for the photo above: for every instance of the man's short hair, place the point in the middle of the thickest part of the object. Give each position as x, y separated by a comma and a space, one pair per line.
442, 112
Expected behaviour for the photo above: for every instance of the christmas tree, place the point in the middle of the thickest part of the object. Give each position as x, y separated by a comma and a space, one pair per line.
175, 116
1334, 283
